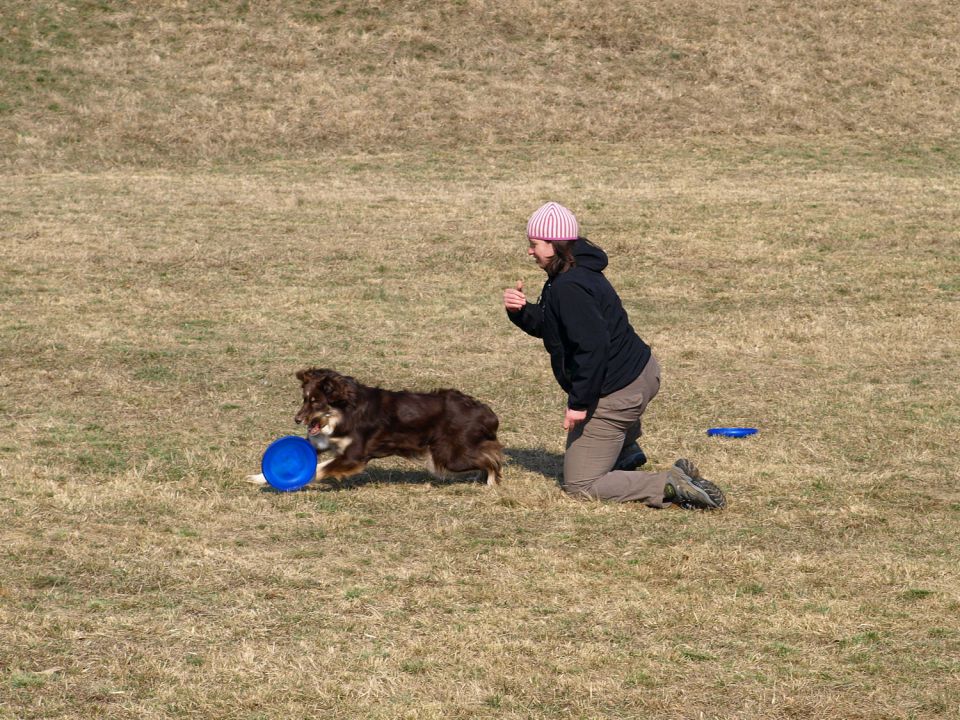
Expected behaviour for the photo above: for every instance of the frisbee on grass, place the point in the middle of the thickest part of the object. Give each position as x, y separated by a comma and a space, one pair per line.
289, 463
735, 432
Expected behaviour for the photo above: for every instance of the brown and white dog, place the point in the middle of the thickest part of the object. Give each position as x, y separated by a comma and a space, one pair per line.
448, 430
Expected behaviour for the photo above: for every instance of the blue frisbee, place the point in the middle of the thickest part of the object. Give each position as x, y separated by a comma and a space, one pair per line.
734, 432
289, 463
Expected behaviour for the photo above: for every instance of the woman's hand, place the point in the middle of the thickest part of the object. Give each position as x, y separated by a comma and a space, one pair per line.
573, 418
513, 298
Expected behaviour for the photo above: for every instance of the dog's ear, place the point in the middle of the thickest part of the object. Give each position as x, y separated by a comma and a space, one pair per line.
307, 374
340, 389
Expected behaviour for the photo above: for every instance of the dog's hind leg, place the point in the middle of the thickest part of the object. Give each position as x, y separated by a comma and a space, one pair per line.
492, 474
489, 459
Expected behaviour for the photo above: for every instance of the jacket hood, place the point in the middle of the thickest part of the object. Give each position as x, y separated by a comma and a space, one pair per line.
589, 256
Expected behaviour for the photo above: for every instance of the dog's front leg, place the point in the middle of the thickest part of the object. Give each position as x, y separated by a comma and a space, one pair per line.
340, 467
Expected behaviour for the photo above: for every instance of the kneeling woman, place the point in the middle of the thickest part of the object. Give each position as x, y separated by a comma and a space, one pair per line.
607, 371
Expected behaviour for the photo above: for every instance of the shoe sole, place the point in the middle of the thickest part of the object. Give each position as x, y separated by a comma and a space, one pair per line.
697, 493
691, 471
712, 491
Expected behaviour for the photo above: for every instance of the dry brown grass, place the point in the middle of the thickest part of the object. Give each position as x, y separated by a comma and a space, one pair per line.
103, 83
199, 198
152, 322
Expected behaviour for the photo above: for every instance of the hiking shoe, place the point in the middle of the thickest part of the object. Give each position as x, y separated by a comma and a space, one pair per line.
691, 471
631, 457
692, 493
688, 468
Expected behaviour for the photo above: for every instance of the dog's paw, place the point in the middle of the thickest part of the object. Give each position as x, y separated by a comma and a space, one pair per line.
256, 479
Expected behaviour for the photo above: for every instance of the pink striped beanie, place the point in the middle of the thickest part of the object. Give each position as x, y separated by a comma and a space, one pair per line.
553, 222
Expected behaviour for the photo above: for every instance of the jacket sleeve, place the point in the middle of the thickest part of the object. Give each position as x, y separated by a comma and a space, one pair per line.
529, 318
586, 343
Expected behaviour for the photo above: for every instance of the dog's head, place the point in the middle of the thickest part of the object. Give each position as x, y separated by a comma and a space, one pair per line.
326, 394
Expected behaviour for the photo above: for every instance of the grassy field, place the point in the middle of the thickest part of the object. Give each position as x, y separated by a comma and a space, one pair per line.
95, 83
180, 232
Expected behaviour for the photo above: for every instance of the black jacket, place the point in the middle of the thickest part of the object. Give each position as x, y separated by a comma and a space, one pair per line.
593, 349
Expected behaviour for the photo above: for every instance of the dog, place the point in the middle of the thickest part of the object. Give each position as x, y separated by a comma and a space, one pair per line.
448, 430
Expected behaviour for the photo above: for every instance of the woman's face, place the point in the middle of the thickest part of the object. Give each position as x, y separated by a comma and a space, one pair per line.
541, 251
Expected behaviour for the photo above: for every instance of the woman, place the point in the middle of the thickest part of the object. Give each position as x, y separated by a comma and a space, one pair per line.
607, 371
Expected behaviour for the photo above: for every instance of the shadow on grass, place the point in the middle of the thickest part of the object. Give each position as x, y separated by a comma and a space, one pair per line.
545, 463
548, 464
387, 476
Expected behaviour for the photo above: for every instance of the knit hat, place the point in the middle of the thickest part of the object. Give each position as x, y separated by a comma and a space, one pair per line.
553, 222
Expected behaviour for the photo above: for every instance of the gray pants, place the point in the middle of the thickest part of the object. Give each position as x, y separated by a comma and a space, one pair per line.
594, 446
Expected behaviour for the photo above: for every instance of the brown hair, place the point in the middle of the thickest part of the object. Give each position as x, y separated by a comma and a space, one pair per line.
563, 258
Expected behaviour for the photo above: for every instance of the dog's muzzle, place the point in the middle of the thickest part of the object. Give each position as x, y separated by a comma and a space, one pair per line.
320, 428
